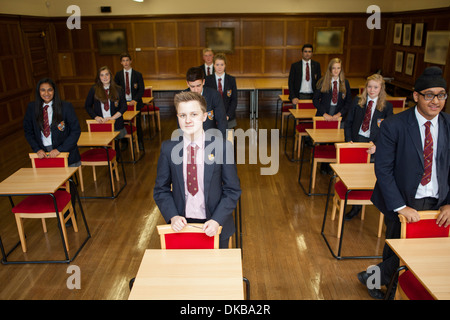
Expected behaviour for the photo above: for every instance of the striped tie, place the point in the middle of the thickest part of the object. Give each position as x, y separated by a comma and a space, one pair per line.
427, 155
220, 87
46, 122
107, 100
366, 122
334, 97
191, 166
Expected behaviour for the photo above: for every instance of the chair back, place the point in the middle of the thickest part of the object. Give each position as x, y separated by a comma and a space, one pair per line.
285, 90
94, 126
355, 152
321, 123
59, 162
131, 107
148, 92
426, 227
305, 104
397, 102
191, 237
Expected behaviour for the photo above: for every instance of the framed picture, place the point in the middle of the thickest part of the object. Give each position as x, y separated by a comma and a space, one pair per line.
436, 47
407, 34
418, 34
399, 61
220, 39
329, 40
398, 33
409, 64
112, 41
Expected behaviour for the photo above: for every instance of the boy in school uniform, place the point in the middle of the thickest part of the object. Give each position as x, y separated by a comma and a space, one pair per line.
196, 183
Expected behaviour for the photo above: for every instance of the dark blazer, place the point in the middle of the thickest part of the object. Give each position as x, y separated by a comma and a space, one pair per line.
322, 101
295, 77
137, 87
355, 117
204, 69
399, 162
64, 135
221, 183
94, 107
230, 97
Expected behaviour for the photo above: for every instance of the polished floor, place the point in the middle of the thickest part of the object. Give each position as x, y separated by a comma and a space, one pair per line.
284, 254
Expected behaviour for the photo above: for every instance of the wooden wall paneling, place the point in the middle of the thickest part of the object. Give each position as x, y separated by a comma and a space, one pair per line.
188, 58
144, 35
145, 62
167, 62
211, 23
273, 61
166, 34
65, 63
188, 35
84, 64
234, 63
252, 33
252, 62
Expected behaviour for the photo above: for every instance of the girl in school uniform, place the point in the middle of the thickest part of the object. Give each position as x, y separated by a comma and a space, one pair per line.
332, 97
226, 85
371, 105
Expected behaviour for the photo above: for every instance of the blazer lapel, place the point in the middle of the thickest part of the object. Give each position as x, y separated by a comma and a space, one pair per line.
208, 170
413, 129
179, 167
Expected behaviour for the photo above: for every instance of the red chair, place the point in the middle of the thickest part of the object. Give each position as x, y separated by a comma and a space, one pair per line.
398, 103
352, 153
324, 152
132, 136
97, 156
409, 287
149, 109
285, 106
191, 237
300, 128
42, 206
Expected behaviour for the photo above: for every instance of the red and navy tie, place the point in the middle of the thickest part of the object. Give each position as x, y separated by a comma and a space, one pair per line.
427, 155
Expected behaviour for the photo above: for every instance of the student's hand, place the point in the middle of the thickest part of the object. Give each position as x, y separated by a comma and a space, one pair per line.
444, 217
336, 116
178, 223
372, 148
327, 117
132, 102
99, 119
211, 227
54, 153
410, 214
295, 101
41, 154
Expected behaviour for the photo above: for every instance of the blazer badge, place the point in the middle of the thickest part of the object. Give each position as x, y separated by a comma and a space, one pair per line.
229, 93
116, 103
211, 115
61, 126
379, 122
135, 85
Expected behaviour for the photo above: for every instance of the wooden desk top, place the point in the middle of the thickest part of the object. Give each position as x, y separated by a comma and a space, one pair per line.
36, 180
203, 274
326, 135
356, 176
96, 139
130, 115
303, 113
429, 260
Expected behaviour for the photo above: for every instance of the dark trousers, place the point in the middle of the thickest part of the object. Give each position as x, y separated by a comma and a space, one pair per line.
390, 261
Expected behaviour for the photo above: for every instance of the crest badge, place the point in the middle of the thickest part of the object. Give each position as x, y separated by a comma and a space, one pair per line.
211, 115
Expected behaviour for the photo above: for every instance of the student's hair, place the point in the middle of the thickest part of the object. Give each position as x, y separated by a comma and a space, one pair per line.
114, 89
220, 56
207, 50
307, 45
381, 102
324, 84
186, 96
125, 55
194, 74
56, 106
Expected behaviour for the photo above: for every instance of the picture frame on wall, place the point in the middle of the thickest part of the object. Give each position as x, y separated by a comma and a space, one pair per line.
436, 47
112, 41
409, 67
398, 33
329, 40
407, 34
220, 39
418, 34
398, 61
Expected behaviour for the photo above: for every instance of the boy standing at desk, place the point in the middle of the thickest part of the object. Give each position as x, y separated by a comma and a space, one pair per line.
196, 183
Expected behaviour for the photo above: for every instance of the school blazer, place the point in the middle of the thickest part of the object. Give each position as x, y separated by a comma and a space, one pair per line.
322, 101
137, 87
221, 183
355, 118
230, 96
399, 163
295, 77
94, 107
64, 134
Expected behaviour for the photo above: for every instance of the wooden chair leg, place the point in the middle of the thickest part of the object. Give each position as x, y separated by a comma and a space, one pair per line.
363, 212
341, 217
159, 121
80, 174
93, 173
72, 217
116, 169
111, 168
313, 181
335, 207
380, 224
44, 225
63, 227
131, 146
21, 232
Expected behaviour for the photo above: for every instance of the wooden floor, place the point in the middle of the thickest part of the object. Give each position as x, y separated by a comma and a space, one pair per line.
284, 254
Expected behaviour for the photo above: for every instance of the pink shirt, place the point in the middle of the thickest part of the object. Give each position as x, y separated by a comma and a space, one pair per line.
195, 205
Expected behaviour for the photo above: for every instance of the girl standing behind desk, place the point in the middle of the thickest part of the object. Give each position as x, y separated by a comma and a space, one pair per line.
333, 97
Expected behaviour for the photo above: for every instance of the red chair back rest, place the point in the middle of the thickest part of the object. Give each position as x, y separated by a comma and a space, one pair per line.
397, 103
286, 91
327, 124
188, 241
353, 155
426, 228
308, 105
130, 107
49, 163
100, 127
147, 92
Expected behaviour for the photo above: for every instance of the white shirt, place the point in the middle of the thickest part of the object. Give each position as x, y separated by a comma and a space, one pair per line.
47, 141
374, 106
128, 97
306, 86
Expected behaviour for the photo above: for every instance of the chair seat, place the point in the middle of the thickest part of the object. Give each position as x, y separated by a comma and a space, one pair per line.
341, 190
302, 126
42, 203
149, 107
412, 287
325, 151
128, 128
97, 155
287, 106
